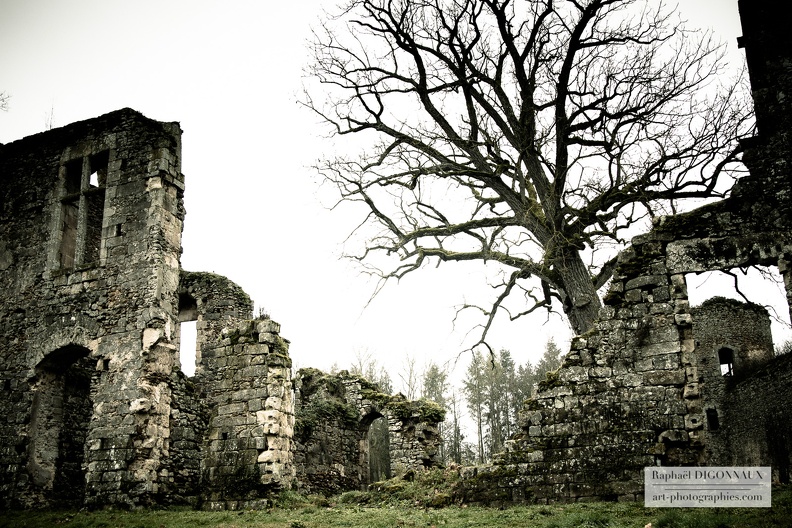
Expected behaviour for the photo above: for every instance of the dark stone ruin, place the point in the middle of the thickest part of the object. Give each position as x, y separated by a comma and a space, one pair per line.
95, 411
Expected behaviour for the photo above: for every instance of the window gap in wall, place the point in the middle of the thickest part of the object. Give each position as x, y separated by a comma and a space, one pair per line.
762, 285
726, 359
712, 420
82, 210
187, 346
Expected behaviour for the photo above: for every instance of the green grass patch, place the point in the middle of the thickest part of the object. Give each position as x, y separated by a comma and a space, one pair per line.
367, 510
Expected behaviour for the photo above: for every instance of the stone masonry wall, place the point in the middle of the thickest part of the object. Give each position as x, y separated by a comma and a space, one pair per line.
189, 422
215, 303
727, 329
90, 227
629, 393
333, 416
756, 420
329, 438
247, 453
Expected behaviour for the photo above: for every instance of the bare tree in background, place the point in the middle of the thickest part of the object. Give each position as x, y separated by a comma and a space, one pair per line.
4, 97
410, 377
532, 136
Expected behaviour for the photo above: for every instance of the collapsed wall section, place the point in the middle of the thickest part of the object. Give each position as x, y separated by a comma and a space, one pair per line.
214, 302
334, 414
634, 391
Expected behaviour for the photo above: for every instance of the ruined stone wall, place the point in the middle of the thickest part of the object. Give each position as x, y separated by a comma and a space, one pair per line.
215, 303
95, 409
247, 452
756, 421
89, 247
329, 450
737, 334
414, 434
189, 423
630, 392
334, 413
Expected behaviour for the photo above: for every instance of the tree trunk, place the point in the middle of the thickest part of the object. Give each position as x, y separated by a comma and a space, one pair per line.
581, 303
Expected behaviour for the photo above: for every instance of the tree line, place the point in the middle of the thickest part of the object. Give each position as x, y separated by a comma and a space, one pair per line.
481, 411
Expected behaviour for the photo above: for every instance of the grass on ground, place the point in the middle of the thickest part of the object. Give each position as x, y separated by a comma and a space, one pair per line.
401, 503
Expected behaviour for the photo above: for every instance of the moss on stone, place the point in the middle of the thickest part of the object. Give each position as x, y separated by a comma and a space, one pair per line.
733, 304
403, 409
319, 410
552, 380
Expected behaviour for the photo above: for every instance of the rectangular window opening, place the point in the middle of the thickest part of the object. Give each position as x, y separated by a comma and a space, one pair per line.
68, 248
188, 336
73, 183
712, 420
83, 210
726, 359
98, 169
93, 226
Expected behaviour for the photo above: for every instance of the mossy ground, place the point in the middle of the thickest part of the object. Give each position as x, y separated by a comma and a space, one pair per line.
407, 503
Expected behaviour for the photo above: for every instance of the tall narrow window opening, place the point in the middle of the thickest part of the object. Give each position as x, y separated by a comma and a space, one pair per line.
187, 346
712, 419
188, 333
82, 210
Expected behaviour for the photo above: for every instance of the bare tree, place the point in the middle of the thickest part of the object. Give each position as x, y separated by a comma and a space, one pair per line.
411, 378
531, 136
4, 97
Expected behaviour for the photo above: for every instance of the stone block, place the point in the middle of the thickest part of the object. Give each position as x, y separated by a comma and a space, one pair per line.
666, 362
694, 421
633, 296
573, 374
646, 280
633, 380
692, 390
600, 372
664, 377
660, 348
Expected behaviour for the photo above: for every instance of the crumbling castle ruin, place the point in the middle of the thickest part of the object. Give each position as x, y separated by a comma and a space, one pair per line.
657, 382
94, 409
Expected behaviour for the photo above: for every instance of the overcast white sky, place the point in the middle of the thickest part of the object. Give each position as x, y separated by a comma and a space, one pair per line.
230, 73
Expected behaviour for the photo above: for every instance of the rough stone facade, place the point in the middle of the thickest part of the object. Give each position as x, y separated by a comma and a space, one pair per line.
641, 387
95, 409
248, 446
89, 249
334, 414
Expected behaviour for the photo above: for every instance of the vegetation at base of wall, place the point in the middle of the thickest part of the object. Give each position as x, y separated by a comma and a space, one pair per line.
433, 488
293, 510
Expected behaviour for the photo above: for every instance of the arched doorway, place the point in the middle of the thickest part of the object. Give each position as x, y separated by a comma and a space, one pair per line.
376, 451
60, 413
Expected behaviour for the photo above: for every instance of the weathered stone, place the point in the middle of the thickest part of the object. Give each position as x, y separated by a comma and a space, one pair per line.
335, 414
702, 382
